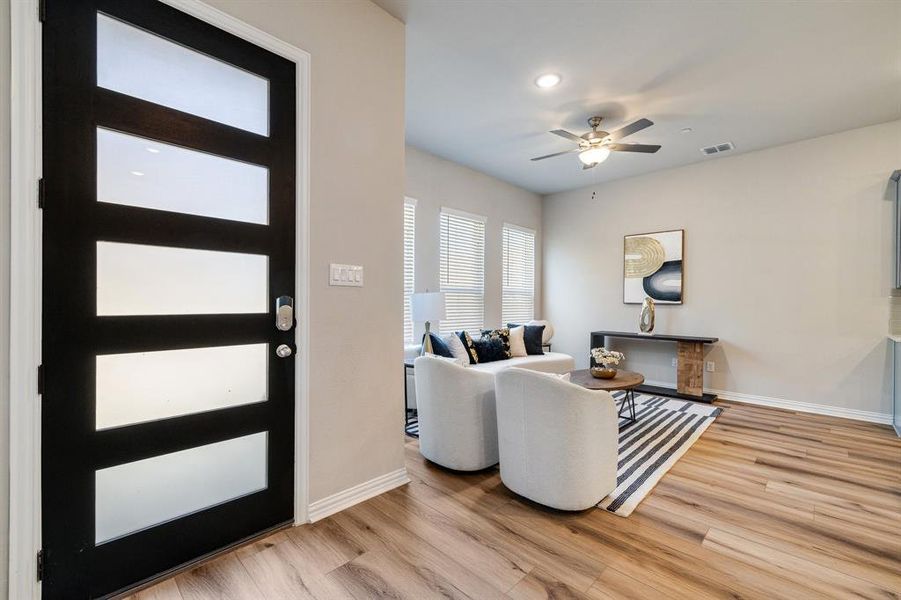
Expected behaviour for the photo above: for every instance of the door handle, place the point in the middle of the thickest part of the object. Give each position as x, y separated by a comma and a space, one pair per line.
284, 313
283, 351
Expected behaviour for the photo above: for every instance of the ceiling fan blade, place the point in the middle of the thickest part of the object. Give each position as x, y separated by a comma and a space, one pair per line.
647, 148
556, 154
591, 166
630, 129
565, 134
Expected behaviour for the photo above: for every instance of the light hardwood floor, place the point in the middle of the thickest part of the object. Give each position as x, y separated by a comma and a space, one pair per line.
767, 504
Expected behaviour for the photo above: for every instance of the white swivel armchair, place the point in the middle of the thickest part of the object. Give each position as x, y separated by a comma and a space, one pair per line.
558, 441
457, 419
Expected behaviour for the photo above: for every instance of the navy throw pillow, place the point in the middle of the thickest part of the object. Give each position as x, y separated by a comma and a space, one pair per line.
502, 334
490, 349
439, 347
532, 337
470, 347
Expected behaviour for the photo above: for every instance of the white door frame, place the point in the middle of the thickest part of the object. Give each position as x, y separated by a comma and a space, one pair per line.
25, 277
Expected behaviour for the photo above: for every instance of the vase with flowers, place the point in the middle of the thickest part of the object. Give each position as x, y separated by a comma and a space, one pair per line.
605, 362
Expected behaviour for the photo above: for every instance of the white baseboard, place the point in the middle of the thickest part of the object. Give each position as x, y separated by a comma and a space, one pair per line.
795, 405
330, 505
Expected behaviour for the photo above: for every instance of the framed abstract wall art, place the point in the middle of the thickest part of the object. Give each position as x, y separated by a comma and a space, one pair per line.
652, 266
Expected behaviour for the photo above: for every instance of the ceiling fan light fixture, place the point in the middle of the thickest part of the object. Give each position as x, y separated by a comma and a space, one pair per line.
594, 155
548, 80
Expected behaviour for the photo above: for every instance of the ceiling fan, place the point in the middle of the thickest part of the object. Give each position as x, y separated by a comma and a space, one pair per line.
595, 146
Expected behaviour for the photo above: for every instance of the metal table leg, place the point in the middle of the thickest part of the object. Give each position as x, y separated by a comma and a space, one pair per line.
410, 415
627, 405
406, 402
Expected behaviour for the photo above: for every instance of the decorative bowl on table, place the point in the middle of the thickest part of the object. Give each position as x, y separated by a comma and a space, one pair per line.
603, 372
604, 362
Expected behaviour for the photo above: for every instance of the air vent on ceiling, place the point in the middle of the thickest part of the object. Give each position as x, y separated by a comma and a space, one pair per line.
716, 149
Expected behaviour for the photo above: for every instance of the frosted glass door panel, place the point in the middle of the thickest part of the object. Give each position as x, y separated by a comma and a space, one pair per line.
134, 279
136, 171
146, 386
149, 67
137, 495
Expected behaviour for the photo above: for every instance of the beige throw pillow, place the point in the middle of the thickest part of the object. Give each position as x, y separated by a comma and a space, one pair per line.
456, 361
456, 347
517, 342
560, 376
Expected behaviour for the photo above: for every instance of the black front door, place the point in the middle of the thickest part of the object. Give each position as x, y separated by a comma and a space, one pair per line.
168, 240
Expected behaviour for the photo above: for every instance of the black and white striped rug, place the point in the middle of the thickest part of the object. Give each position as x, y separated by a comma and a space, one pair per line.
664, 430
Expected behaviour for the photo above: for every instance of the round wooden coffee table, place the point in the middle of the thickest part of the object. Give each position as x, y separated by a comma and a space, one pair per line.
624, 380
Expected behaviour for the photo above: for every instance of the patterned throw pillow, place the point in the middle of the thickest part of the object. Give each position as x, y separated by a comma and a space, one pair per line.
470, 346
490, 349
502, 335
493, 345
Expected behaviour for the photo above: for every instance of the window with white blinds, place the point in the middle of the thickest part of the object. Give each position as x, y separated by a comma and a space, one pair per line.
409, 264
463, 271
518, 305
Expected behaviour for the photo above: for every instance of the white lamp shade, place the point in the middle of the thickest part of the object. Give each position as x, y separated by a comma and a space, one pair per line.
594, 155
427, 306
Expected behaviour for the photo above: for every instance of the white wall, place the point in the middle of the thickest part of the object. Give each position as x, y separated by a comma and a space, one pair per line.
895, 328
357, 186
788, 259
436, 183
4, 292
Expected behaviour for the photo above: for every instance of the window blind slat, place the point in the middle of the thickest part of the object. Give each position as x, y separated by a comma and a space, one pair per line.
409, 266
462, 272
518, 302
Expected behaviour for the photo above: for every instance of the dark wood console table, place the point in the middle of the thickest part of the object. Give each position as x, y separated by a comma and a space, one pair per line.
689, 359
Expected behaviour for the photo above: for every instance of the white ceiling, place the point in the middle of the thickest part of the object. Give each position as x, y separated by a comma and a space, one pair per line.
756, 73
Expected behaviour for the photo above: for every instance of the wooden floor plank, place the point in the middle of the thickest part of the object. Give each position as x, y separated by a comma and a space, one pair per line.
223, 578
821, 580
614, 585
730, 512
391, 531
285, 570
541, 585
465, 543
166, 590
768, 504
518, 543
384, 574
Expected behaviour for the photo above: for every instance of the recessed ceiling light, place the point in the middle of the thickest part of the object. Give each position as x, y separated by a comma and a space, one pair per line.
686, 130
153, 150
137, 173
548, 80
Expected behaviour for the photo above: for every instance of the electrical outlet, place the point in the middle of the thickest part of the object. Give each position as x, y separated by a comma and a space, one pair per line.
711, 366
675, 362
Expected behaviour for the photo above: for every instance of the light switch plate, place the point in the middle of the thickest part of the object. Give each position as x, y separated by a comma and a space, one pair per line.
345, 275
711, 366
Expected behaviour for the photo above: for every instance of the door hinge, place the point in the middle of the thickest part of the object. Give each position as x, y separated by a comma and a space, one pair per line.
39, 567
41, 379
42, 193
42, 11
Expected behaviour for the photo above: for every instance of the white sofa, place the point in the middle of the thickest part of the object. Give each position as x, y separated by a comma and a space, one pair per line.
549, 362
457, 419
557, 441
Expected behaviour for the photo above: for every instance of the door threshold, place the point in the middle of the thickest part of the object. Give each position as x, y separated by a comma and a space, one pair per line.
152, 581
